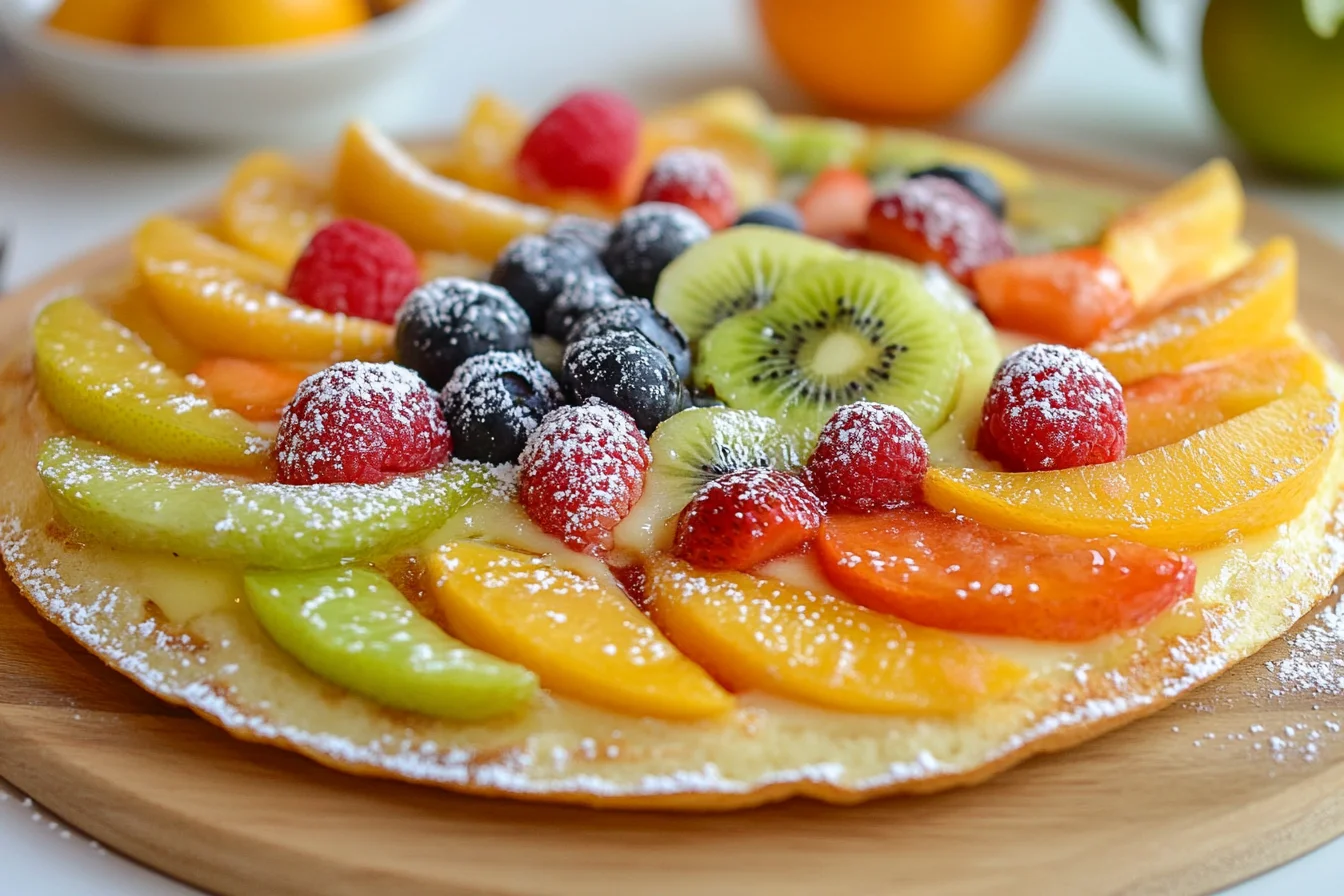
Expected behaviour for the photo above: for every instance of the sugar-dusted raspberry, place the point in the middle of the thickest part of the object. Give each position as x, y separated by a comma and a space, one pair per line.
935, 219
360, 422
869, 457
1050, 407
356, 268
747, 517
586, 143
695, 178
581, 472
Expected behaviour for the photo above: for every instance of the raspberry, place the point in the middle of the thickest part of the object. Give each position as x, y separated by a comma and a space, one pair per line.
1050, 407
745, 518
355, 268
581, 472
934, 219
586, 143
869, 457
359, 422
696, 179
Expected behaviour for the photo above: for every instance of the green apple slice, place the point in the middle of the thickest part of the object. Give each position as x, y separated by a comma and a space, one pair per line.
150, 506
354, 628
105, 382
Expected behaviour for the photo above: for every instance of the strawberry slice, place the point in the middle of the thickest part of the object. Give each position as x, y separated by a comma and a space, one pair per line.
1070, 297
745, 518
953, 573
835, 205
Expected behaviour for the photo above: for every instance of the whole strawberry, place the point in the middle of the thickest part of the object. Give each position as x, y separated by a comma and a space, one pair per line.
359, 422
935, 219
581, 472
745, 518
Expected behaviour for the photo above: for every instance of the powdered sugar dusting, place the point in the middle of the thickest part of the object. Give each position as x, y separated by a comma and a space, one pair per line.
952, 220
697, 173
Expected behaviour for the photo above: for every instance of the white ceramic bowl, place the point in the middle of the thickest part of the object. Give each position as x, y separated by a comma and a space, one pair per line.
281, 93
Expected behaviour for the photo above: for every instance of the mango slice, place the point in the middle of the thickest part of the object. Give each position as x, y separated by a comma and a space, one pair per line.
379, 181
354, 628
104, 381
765, 635
583, 636
1242, 476
151, 507
1252, 307
223, 301
271, 208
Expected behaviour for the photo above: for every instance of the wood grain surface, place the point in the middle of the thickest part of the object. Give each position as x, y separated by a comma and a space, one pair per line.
1244, 774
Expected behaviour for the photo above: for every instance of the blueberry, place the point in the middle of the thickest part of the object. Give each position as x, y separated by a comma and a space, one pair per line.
447, 321
579, 297
646, 239
637, 316
494, 401
773, 214
533, 269
625, 370
588, 232
985, 188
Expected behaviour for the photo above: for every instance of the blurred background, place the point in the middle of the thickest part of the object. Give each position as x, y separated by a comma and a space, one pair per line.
113, 109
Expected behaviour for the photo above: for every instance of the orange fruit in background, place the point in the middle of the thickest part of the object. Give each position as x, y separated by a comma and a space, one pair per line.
904, 58
240, 23
123, 21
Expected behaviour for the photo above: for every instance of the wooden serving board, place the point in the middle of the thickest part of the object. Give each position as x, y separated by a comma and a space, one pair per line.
1243, 775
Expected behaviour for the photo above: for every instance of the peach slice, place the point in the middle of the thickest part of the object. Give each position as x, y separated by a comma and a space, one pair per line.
271, 208
379, 181
1195, 217
482, 156
1250, 473
1168, 408
950, 572
223, 302
581, 635
764, 635
256, 390
1250, 308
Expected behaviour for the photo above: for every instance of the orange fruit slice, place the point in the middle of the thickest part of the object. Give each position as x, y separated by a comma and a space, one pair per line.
1250, 308
1252, 472
581, 635
271, 208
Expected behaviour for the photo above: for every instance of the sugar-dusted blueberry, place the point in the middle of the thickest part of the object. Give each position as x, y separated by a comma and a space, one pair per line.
585, 231
984, 187
447, 321
773, 214
638, 316
494, 402
646, 239
533, 269
626, 371
579, 297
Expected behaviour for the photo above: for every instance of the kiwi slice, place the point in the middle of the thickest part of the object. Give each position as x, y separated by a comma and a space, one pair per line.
735, 270
690, 449
806, 144
838, 331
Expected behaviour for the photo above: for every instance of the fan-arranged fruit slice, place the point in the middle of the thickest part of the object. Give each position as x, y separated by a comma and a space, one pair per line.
765, 635
354, 628
691, 449
134, 309
216, 298
733, 271
482, 155
1052, 215
582, 636
1252, 307
152, 507
104, 381
257, 390
838, 331
1195, 217
1166, 409
1070, 297
981, 357
379, 181
954, 573
1250, 473
271, 208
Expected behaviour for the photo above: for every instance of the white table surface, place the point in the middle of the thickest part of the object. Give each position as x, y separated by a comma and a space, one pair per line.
1084, 83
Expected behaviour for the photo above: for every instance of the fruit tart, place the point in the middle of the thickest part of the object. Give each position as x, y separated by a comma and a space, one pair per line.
692, 460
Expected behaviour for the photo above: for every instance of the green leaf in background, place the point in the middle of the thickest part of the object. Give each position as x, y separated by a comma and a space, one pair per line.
1324, 16
1133, 11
